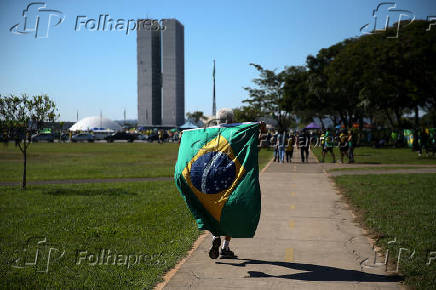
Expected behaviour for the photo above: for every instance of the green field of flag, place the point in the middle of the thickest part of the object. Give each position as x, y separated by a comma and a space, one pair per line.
218, 176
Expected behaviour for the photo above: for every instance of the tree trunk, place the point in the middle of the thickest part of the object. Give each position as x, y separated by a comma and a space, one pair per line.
416, 117
322, 122
398, 116
389, 118
23, 186
344, 120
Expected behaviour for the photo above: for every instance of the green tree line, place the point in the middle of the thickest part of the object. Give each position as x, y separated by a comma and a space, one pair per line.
374, 77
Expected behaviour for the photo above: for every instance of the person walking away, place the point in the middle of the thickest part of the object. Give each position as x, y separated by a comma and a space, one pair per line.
225, 116
274, 140
303, 144
290, 148
281, 139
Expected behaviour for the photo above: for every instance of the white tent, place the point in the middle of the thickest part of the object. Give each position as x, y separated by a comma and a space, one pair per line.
90, 123
188, 125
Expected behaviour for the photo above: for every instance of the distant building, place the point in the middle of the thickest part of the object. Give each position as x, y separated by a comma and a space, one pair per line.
161, 74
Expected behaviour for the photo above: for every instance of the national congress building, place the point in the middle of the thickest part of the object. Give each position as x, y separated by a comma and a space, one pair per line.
161, 74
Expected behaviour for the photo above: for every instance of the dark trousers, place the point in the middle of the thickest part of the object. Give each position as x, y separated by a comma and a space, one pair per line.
351, 154
289, 155
304, 151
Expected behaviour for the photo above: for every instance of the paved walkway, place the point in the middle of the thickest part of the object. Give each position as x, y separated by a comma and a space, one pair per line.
306, 239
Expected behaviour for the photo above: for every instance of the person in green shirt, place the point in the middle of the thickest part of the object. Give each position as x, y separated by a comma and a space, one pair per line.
328, 145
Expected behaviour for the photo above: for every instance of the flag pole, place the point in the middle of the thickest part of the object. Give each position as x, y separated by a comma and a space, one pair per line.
213, 100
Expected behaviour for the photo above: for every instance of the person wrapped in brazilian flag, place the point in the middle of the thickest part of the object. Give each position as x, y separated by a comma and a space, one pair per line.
217, 174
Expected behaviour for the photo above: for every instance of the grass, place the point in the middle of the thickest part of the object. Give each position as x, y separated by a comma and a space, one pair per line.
399, 206
376, 168
47, 161
140, 218
265, 156
148, 218
369, 155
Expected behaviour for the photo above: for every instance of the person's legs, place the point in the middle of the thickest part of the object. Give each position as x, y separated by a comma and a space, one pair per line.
350, 155
225, 249
282, 154
307, 153
214, 250
226, 242
333, 155
302, 154
288, 153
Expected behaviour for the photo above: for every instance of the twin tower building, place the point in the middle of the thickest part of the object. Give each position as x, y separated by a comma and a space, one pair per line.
161, 73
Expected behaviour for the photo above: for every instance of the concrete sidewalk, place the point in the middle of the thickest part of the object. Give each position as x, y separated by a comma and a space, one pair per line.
306, 239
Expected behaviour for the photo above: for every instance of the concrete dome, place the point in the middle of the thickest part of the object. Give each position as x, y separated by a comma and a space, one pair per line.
89, 123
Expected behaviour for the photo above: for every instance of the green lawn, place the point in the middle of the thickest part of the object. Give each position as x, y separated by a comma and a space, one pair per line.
377, 168
369, 155
265, 156
399, 206
48, 161
140, 218
143, 218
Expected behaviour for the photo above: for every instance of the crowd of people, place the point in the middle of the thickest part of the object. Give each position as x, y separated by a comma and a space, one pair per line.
284, 142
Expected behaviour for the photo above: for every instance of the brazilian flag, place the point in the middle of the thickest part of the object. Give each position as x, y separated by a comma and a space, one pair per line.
218, 176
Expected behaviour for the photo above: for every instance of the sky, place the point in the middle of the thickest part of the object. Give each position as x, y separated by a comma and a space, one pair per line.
89, 72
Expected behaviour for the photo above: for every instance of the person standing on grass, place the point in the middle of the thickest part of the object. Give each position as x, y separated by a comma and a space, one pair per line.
351, 144
343, 145
328, 146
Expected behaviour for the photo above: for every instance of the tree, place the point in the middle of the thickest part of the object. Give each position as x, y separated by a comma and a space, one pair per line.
246, 114
267, 96
19, 114
375, 73
195, 116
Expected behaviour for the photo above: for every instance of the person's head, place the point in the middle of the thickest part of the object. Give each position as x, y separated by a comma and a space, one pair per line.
225, 116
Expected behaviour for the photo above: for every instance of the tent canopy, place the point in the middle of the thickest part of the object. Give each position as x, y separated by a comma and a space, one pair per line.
188, 125
313, 125
89, 123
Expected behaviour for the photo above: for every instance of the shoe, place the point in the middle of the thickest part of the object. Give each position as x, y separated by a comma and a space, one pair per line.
227, 254
214, 250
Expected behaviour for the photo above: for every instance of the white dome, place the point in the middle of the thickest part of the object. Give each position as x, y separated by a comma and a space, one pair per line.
89, 123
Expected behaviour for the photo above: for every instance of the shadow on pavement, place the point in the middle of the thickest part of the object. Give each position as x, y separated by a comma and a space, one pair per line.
314, 272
